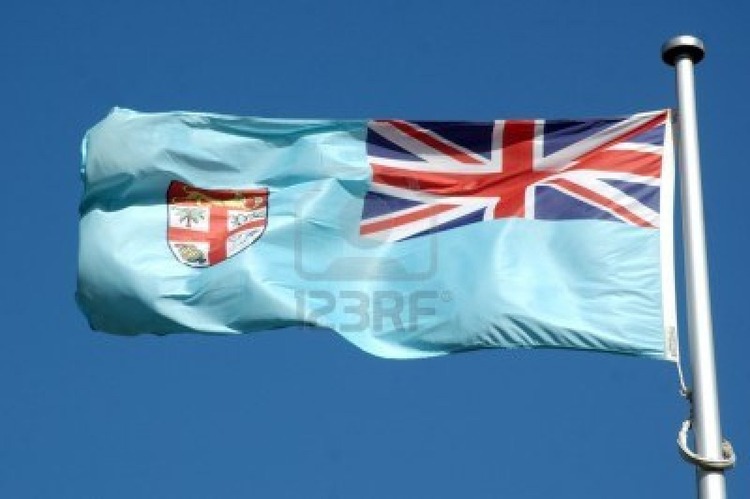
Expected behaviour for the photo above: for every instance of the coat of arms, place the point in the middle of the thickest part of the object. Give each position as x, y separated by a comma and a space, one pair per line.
208, 226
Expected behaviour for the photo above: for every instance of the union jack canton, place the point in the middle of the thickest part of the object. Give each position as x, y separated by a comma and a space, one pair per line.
429, 177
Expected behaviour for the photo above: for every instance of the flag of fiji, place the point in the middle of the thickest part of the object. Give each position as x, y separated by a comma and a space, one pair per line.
408, 238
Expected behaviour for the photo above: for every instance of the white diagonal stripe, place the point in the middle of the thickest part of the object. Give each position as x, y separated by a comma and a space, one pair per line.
436, 164
419, 148
426, 197
618, 197
638, 147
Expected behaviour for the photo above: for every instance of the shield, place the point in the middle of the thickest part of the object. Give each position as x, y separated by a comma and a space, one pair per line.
208, 226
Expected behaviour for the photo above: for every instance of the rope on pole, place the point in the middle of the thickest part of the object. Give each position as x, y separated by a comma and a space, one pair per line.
727, 462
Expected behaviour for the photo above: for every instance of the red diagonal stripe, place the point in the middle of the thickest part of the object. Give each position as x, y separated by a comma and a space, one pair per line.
390, 222
602, 201
652, 123
623, 161
420, 135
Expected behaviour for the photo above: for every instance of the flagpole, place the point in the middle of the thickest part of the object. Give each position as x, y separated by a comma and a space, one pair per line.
683, 52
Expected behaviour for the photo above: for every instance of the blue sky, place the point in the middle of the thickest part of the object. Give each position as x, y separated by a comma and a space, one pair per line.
304, 414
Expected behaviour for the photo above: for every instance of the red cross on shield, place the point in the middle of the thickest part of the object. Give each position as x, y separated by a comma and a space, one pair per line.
207, 226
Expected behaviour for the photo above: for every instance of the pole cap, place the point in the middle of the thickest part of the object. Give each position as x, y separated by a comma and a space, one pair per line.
683, 45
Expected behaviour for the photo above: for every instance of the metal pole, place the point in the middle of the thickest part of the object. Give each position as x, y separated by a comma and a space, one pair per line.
683, 52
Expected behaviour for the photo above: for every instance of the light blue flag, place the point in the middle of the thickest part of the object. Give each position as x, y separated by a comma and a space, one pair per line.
410, 239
